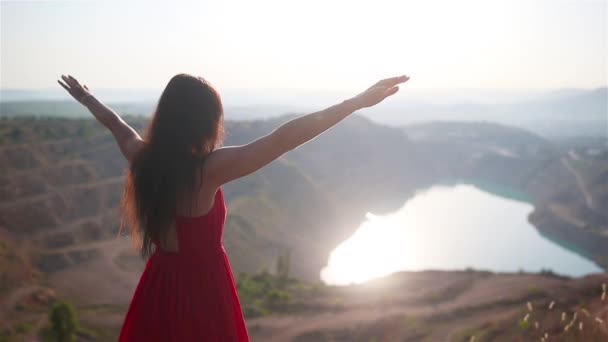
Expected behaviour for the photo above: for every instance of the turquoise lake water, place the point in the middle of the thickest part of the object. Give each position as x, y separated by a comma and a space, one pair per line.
451, 227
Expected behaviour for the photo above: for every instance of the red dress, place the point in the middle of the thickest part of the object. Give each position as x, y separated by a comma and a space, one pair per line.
189, 295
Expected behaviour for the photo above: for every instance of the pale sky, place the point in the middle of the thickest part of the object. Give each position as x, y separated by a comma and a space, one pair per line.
313, 44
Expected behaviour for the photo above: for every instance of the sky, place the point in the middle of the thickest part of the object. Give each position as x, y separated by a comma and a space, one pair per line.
307, 45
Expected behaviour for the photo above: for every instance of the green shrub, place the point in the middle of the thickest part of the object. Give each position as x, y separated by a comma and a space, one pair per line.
277, 299
4, 336
24, 327
64, 322
252, 311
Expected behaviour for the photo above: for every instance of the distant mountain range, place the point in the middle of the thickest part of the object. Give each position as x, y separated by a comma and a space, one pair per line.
566, 112
558, 113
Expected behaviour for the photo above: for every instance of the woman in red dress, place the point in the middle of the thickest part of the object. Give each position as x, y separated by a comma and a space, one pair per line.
174, 205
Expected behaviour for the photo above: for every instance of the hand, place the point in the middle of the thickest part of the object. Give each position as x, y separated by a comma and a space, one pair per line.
379, 91
79, 92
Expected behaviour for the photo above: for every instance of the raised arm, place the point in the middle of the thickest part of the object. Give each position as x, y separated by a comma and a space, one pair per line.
232, 162
127, 138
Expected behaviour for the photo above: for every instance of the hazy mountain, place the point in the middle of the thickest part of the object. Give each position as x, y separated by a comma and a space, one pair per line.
559, 113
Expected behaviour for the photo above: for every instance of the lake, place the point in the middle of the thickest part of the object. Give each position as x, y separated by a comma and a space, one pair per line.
451, 227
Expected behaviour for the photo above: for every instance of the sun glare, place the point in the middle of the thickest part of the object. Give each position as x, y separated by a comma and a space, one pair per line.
365, 255
315, 45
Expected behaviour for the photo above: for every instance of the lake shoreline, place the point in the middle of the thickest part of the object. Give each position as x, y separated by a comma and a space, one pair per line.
473, 215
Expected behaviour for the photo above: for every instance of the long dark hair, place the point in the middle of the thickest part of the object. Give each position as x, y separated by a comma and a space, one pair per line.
187, 125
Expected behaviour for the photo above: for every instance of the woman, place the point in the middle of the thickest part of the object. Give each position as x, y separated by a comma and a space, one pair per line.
174, 204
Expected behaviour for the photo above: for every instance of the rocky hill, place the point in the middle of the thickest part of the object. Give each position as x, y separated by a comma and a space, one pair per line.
62, 178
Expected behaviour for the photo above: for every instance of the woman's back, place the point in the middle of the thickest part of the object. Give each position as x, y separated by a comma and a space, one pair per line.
189, 294
197, 233
200, 203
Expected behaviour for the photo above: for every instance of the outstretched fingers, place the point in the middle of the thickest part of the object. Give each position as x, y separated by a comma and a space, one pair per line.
74, 80
393, 81
63, 85
71, 81
68, 81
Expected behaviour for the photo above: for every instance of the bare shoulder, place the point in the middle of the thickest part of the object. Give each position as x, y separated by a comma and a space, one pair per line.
211, 169
133, 147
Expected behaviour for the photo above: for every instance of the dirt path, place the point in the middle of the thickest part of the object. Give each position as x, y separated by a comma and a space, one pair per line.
8, 304
287, 328
115, 283
53, 191
580, 183
70, 226
510, 289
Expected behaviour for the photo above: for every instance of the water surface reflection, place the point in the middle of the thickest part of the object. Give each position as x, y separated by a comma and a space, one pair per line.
446, 228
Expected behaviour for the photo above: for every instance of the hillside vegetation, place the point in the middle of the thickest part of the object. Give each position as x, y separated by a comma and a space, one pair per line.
62, 179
